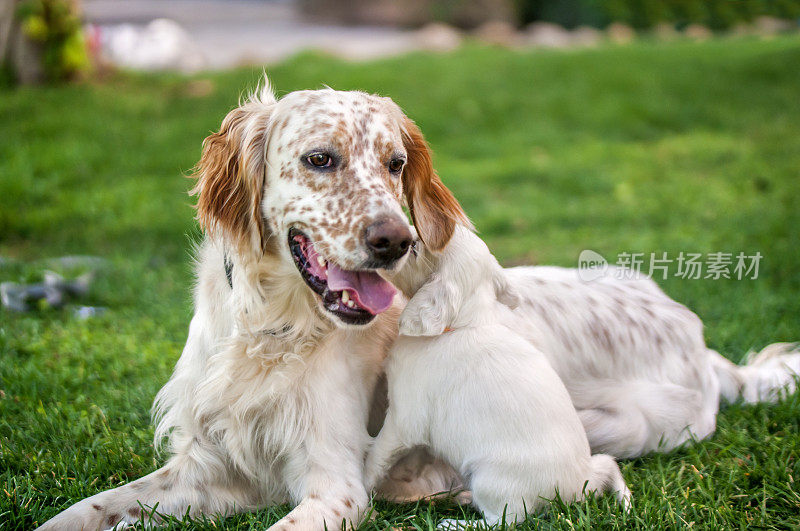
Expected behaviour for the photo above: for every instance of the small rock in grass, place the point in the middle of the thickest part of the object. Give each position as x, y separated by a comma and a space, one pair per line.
87, 312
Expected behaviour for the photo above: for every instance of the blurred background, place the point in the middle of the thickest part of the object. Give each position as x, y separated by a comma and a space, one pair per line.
624, 126
46, 39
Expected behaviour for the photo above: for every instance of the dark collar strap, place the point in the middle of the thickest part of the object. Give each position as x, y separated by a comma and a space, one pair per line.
228, 269
229, 275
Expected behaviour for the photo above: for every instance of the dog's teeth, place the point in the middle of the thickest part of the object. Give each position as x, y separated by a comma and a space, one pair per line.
320, 261
345, 297
351, 303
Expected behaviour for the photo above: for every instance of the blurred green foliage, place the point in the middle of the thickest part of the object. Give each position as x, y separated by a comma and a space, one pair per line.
652, 147
56, 27
644, 14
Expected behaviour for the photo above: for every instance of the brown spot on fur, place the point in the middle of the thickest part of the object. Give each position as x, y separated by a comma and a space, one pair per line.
166, 482
113, 519
135, 512
97, 507
348, 502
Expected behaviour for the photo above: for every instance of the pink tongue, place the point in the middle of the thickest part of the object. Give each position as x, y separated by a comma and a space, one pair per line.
371, 292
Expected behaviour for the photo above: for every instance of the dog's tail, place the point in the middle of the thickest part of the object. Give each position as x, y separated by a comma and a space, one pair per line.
764, 377
606, 477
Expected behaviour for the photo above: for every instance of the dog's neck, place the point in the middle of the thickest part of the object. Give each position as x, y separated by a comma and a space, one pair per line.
271, 303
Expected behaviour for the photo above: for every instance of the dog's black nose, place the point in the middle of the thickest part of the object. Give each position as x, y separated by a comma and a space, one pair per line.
388, 239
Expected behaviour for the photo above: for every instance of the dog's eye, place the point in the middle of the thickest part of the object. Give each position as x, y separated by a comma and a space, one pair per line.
320, 160
395, 165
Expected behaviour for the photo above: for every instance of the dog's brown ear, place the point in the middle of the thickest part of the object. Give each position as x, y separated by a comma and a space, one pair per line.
230, 177
433, 208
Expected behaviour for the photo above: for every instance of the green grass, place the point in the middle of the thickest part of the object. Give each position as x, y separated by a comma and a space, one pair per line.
646, 148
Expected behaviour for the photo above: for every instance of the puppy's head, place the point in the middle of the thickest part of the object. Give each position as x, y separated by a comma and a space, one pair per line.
456, 286
320, 178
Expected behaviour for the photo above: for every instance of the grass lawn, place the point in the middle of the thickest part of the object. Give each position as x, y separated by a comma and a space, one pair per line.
646, 148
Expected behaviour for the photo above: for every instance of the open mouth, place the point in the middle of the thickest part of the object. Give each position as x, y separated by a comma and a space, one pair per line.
355, 297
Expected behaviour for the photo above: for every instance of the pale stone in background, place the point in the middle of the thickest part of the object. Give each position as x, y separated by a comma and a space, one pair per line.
772, 26
547, 35
619, 33
438, 37
665, 31
160, 45
586, 36
698, 32
498, 33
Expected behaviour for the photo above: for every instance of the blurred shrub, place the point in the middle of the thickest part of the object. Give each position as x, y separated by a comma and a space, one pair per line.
55, 28
643, 14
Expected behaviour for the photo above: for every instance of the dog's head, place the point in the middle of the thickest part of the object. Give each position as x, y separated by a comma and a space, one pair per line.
320, 178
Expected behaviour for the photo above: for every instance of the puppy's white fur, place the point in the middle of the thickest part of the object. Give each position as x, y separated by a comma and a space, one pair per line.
478, 395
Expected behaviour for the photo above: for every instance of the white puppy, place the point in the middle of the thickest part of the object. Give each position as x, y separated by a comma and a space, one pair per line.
478, 395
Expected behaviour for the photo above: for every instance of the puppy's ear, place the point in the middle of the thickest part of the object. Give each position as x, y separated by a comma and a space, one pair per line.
231, 176
433, 208
505, 292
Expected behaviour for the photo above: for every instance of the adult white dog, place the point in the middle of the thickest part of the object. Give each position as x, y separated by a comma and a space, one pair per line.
269, 403
480, 396
301, 200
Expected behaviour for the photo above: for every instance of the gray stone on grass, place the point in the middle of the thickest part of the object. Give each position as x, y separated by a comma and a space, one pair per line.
586, 36
664, 31
498, 33
698, 32
438, 37
768, 26
619, 33
547, 35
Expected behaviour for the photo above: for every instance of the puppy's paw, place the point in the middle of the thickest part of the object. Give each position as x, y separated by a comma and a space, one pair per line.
430, 310
419, 324
463, 498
